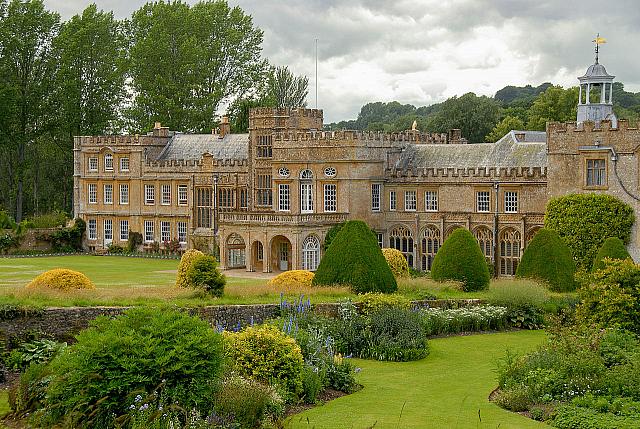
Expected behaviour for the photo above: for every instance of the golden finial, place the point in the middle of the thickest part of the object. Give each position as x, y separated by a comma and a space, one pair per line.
598, 41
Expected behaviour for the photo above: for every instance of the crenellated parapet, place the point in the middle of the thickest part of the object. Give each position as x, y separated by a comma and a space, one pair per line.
569, 137
528, 173
285, 111
193, 163
352, 135
590, 127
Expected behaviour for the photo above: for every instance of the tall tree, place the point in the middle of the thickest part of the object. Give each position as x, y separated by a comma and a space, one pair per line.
27, 30
503, 127
474, 116
186, 61
89, 87
91, 55
555, 104
286, 89
277, 88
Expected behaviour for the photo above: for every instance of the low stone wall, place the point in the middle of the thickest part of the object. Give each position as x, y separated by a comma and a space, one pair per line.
64, 322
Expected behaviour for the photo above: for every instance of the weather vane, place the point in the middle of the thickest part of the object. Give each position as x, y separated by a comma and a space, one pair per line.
598, 41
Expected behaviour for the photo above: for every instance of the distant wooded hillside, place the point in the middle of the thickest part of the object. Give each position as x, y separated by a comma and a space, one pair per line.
483, 118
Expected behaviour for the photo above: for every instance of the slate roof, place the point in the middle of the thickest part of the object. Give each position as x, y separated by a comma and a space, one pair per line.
193, 146
507, 152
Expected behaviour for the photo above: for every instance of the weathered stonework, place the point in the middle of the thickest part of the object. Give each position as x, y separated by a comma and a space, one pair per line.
64, 322
270, 196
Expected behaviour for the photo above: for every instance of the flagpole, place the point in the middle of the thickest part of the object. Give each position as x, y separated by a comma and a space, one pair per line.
316, 73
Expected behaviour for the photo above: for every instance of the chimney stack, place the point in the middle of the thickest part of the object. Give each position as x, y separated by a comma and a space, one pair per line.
159, 130
225, 127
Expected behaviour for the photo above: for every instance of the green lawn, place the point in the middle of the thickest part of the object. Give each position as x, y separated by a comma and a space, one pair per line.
136, 281
448, 389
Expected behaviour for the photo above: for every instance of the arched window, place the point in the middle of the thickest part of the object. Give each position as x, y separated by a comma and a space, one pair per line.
510, 241
306, 191
430, 246
108, 162
306, 174
311, 253
235, 251
400, 238
531, 233
485, 240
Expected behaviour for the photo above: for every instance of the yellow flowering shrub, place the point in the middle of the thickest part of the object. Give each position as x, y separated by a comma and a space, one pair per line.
61, 279
372, 302
182, 280
293, 278
264, 353
397, 262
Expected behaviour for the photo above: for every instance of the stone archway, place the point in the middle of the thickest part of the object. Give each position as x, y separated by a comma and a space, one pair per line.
510, 244
311, 253
430, 244
235, 251
281, 251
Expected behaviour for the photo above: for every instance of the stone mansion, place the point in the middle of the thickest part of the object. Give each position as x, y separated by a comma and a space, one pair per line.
268, 198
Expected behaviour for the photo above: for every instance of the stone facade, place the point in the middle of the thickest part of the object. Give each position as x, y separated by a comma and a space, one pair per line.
268, 198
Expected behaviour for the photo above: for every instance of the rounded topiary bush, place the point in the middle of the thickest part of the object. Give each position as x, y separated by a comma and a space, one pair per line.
182, 279
461, 259
585, 221
354, 258
61, 279
548, 259
264, 353
293, 278
612, 248
204, 274
397, 262
145, 351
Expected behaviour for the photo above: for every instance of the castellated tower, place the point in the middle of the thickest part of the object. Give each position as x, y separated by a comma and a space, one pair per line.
263, 123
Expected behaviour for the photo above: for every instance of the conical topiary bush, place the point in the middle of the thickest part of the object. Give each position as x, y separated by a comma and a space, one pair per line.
461, 259
354, 258
612, 248
548, 259
182, 279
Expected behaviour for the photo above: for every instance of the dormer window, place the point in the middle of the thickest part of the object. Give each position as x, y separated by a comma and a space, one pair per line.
108, 162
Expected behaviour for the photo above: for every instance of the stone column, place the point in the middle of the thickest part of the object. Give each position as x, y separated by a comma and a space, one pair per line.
295, 250
580, 95
222, 243
248, 253
266, 254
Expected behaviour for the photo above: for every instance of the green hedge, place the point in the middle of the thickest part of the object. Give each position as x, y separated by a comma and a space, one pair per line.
354, 258
612, 248
585, 221
611, 296
549, 260
461, 259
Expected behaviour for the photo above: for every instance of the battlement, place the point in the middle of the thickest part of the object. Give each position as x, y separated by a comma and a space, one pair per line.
589, 127
479, 172
285, 112
193, 163
352, 135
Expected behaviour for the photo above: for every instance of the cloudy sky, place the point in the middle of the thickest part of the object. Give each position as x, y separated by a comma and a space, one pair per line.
424, 51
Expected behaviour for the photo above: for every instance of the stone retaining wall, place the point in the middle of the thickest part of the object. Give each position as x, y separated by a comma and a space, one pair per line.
64, 322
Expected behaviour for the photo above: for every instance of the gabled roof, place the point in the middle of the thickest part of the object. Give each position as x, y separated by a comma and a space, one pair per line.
193, 146
525, 149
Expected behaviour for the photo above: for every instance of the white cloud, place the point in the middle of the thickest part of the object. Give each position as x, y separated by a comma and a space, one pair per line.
423, 51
